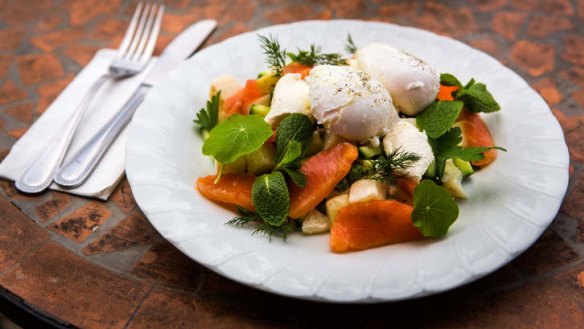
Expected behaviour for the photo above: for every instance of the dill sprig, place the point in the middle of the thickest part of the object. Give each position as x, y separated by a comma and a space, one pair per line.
383, 168
249, 218
350, 47
315, 57
275, 56
208, 117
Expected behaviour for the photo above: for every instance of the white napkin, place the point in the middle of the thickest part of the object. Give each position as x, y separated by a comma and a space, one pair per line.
106, 103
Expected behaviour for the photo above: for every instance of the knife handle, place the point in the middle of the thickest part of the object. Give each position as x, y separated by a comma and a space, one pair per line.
77, 170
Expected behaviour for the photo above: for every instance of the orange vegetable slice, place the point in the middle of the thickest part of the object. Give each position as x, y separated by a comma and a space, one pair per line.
406, 188
231, 188
323, 171
240, 102
476, 133
445, 93
370, 224
295, 67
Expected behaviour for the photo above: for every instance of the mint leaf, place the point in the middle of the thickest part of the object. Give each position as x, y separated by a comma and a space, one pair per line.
477, 98
236, 136
434, 209
448, 79
271, 199
295, 127
293, 152
208, 118
439, 117
447, 147
297, 177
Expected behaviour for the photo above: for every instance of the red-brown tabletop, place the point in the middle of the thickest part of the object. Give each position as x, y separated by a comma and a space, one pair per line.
95, 264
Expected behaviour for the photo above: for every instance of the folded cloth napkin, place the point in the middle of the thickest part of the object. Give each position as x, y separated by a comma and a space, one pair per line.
106, 103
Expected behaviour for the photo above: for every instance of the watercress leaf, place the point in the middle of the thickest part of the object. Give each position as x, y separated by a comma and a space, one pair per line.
434, 209
293, 152
236, 136
295, 127
297, 177
271, 199
439, 117
448, 79
477, 98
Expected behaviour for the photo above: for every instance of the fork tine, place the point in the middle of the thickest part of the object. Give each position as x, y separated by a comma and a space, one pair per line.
150, 31
130, 31
139, 31
149, 48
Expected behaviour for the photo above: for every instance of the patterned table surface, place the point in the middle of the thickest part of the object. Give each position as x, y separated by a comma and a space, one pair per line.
101, 265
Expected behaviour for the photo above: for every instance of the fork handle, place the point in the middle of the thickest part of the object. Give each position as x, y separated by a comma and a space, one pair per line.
82, 164
38, 175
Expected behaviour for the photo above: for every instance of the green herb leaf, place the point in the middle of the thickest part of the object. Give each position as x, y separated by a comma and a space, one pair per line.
477, 98
313, 56
275, 56
447, 147
443, 147
271, 199
297, 176
293, 152
295, 127
448, 79
249, 218
236, 136
350, 47
439, 117
474, 153
434, 209
208, 118
382, 168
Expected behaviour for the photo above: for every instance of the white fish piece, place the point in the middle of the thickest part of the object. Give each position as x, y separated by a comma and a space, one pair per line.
291, 95
315, 222
412, 83
228, 85
408, 138
367, 190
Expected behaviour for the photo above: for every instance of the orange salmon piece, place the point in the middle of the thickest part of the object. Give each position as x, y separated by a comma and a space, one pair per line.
231, 188
323, 172
370, 224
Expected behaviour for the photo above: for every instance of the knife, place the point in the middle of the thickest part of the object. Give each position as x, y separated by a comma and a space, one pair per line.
77, 170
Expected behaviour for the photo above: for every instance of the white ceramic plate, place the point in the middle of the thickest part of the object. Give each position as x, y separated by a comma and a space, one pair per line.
510, 204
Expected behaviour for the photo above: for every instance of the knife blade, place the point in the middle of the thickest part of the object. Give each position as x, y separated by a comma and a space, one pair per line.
76, 171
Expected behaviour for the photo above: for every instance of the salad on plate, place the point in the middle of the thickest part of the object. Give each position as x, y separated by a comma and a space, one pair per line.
372, 147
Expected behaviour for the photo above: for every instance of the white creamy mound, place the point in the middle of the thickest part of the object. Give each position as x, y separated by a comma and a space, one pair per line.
412, 83
350, 103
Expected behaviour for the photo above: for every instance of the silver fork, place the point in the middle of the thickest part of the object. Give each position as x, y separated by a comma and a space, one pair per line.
133, 54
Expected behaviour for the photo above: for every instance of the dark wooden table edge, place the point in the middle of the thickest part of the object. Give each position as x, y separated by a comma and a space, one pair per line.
25, 316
